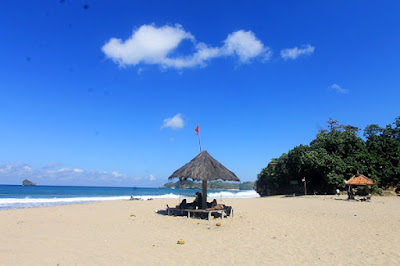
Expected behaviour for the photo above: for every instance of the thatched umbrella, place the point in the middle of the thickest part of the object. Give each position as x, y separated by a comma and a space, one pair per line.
205, 168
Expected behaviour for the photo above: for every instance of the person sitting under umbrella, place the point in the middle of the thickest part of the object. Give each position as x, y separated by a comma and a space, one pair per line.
191, 205
196, 204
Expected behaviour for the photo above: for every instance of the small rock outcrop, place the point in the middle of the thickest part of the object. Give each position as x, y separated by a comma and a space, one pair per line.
26, 182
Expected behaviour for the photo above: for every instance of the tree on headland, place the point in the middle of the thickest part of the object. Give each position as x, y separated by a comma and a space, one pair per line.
336, 154
189, 184
333, 124
383, 145
248, 185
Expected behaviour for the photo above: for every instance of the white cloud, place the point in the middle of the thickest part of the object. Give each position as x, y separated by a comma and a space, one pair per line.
116, 174
61, 170
147, 44
174, 122
245, 45
151, 45
5, 168
27, 168
293, 53
15, 169
152, 177
54, 175
338, 88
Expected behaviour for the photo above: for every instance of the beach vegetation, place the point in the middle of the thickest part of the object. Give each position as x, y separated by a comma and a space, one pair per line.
219, 185
335, 155
248, 185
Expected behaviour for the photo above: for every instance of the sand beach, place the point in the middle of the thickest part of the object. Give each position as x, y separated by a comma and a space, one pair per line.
312, 230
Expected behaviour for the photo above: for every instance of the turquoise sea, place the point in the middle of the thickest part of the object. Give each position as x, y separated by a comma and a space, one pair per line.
17, 196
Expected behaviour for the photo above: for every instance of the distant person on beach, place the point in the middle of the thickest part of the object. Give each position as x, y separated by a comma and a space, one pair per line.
348, 193
337, 192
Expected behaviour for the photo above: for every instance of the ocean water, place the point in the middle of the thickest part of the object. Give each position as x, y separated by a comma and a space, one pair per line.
16, 196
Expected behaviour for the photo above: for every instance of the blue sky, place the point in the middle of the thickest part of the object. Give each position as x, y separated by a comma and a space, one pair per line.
110, 92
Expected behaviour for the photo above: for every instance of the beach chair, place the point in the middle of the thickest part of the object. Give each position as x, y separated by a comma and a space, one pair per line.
228, 210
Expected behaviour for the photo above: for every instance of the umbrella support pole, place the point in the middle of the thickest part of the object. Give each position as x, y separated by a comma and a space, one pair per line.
204, 203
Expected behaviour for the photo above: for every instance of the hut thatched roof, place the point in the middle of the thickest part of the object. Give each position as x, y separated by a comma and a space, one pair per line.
206, 168
360, 180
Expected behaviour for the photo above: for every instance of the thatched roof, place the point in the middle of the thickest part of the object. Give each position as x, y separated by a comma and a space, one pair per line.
204, 167
360, 180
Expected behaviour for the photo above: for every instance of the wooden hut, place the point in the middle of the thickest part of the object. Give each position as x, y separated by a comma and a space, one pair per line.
359, 180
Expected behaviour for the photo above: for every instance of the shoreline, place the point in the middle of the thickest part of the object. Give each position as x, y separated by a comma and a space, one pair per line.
16, 197
78, 200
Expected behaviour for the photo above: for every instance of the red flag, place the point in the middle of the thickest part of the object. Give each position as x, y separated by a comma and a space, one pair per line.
303, 179
197, 129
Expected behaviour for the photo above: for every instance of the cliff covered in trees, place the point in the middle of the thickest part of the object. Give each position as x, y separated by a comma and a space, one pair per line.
336, 154
189, 184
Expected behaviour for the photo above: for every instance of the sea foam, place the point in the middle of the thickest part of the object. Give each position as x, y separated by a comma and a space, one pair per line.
30, 202
243, 194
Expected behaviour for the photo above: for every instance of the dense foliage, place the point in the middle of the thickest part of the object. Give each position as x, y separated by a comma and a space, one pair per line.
336, 154
246, 185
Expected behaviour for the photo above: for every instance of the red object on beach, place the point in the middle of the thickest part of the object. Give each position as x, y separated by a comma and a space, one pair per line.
197, 129
360, 180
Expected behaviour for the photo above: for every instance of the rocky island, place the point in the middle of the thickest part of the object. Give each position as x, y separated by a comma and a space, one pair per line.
26, 182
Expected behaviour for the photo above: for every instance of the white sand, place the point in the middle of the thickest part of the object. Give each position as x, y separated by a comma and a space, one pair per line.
274, 230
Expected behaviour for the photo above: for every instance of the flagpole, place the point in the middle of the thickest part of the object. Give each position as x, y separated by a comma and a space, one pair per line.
199, 142
198, 134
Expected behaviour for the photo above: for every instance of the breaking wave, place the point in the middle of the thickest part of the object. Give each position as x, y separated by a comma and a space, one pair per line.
32, 202
243, 194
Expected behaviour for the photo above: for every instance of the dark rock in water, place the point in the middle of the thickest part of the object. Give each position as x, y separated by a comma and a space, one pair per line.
26, 182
